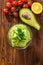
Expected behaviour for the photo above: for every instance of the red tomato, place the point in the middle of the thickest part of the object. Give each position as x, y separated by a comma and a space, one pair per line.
5, 11
30, 4
15, 14
14, 4
25, 6
10, 1
20, 3
24, 1
8, 5
12, 9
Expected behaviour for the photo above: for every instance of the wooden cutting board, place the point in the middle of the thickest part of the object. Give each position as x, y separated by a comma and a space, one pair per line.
33, 55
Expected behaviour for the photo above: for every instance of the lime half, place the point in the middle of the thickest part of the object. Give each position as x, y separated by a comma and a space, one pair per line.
36, 7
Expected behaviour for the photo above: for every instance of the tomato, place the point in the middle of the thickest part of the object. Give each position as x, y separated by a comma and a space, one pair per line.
15, 14
24, 1
29, 3
14, 4
20, 3
25, 6
5, 11
12, 9
8, 5
10, 1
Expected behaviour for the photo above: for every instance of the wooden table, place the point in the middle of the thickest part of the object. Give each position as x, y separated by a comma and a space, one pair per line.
33, 55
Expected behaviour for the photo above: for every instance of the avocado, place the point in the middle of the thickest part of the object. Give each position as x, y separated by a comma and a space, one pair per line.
28, 17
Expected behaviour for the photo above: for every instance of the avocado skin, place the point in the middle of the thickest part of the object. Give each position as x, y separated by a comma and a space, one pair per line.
32, 22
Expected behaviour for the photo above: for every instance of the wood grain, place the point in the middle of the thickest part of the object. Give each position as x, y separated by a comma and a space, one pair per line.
33, 55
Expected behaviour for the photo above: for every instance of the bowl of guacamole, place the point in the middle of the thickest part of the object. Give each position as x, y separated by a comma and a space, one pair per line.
19, 36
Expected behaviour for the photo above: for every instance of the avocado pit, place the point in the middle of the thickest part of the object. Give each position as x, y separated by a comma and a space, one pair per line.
26, 15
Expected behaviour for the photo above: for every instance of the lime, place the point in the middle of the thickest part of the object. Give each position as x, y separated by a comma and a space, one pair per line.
36, 7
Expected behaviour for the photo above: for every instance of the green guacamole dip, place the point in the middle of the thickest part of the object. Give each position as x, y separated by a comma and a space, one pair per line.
19, 35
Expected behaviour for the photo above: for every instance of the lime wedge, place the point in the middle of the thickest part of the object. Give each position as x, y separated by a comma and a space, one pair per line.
36, 7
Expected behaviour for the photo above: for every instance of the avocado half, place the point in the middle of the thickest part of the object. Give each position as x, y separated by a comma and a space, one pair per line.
32, 21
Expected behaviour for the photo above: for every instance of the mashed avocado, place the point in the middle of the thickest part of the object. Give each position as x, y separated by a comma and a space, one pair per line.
19, 35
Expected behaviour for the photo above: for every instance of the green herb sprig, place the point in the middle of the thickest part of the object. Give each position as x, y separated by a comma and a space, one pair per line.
20, 35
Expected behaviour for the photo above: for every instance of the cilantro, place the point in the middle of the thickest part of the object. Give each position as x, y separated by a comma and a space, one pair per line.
20, 35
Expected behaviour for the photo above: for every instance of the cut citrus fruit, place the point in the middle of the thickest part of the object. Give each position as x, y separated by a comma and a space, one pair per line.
36, 7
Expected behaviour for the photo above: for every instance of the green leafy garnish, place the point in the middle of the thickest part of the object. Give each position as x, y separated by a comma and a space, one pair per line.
20, 35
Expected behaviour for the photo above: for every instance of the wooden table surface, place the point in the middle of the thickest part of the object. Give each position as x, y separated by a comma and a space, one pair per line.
33, 55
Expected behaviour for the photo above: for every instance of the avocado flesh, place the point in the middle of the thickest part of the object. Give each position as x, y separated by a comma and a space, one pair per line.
32, 22
15, 42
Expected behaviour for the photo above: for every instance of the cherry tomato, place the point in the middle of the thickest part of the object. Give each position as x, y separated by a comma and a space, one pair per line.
20, 3
12, 9
5, 11
10, 1
24, 1
14, 4
8, 5
25, 6
30, 4
15, 14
